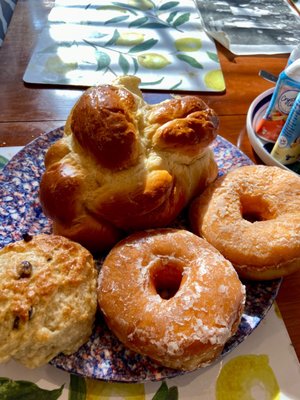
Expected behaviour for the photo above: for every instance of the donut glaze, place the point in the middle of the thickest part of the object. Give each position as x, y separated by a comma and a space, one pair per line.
252, 216
169, 295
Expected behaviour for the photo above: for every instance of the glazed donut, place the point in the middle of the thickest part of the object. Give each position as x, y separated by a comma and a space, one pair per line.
251, 215
169, 295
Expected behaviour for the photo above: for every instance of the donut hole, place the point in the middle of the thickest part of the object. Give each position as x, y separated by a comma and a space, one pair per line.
255, 209
166, 277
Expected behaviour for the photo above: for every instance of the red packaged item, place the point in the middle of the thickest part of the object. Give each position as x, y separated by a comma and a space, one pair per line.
284, 95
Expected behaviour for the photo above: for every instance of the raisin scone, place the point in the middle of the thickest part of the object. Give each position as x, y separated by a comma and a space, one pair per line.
48, 298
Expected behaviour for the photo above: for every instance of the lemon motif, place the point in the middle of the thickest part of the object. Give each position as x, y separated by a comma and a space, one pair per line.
188, 44
97, 390
248, 377
56, 65
277, 311
214, 80
112, 8
141, 4
153, 61
130, 38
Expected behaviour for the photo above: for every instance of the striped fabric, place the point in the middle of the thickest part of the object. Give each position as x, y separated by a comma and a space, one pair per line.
6, 11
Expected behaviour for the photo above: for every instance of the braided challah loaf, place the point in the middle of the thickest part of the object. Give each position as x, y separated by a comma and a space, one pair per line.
124, 165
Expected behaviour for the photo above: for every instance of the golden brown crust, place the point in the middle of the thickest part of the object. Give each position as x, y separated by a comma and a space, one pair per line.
179, 134
48, 299
176, 108
186, 125
103, 123
170, 295
55, 153
126, 164
251, 216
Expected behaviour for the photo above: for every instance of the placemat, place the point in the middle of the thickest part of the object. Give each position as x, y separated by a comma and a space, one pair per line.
262, 367
89, 42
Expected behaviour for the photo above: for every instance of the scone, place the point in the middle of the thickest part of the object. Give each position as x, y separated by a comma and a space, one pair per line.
48, 299
125, 165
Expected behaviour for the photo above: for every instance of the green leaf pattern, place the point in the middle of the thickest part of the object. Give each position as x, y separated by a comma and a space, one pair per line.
142, 30
113, 39
189, 60
116, 20
143, 46
168, 5
25, 390
182, 19
124, 64
3, 161
103, 60
138, 22
78, 390
165, 393
171, 16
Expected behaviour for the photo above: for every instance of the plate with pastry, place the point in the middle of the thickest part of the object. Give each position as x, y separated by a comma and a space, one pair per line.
119, 180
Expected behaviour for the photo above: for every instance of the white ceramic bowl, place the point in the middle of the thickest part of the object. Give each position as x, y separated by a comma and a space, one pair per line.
256, 111
261, 147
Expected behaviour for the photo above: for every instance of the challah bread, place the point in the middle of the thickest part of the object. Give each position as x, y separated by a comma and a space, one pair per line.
124, 164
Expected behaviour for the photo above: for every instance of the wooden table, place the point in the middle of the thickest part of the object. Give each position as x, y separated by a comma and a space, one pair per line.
27, 111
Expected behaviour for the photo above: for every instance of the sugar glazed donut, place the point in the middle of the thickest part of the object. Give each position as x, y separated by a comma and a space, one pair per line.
169, 295
252, 216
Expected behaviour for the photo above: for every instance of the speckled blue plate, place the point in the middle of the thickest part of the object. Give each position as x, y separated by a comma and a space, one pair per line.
104, 357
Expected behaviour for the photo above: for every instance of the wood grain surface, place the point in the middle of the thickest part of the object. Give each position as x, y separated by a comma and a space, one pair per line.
26, 111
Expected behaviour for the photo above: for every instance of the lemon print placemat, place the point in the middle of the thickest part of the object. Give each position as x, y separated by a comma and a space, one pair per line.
89, 42
264, 367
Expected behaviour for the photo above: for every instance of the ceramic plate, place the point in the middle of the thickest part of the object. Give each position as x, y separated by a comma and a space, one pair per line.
104, 357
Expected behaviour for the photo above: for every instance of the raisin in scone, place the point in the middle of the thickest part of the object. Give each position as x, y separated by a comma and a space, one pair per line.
47, 298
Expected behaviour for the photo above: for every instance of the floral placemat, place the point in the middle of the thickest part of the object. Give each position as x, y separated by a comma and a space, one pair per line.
90, 41
264, 366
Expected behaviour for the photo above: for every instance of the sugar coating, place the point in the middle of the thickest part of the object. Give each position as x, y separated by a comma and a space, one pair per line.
187, 330
272, 196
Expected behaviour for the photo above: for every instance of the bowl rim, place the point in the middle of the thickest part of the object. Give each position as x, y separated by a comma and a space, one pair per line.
258, 143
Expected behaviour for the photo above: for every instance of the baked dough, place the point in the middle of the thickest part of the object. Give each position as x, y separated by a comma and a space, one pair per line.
169, 295
126, 165
48, 299
252, 216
